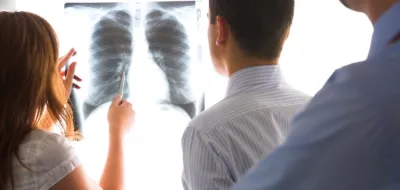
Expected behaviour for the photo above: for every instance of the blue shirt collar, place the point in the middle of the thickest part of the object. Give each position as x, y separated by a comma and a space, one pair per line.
385, 29
266, 76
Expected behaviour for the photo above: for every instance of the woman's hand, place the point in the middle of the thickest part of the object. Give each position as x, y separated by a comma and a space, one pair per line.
68, 75
121, 117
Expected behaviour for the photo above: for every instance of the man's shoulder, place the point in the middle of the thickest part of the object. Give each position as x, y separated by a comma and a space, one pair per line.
374, 78
346, 87
227, 109
213, 116
243, 106
357, 93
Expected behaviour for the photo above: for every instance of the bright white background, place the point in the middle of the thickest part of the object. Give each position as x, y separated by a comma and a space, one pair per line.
324, 37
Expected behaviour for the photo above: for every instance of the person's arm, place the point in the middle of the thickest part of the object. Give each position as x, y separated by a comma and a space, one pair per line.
59, 166
120, 118
72, 176
55, 164
203, 166
112, 177
113, 173
336, 143
77, 180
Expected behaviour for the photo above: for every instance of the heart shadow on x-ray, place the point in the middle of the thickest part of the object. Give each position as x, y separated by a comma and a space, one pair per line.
123, 34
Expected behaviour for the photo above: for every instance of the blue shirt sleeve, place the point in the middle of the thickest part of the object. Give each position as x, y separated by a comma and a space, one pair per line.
336, 143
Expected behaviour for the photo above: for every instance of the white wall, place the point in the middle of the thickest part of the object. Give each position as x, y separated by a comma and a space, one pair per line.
324, 36
7, 5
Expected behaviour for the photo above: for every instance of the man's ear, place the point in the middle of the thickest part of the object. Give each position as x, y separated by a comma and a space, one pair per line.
287, 34
222, 28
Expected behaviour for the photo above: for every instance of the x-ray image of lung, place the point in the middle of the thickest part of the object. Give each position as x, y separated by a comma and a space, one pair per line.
111, 51
114, 31
169, 46
156, 43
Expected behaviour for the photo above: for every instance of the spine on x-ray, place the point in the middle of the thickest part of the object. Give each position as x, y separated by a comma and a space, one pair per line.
111, 51
169, 46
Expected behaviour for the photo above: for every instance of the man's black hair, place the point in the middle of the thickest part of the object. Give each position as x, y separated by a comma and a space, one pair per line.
259, 26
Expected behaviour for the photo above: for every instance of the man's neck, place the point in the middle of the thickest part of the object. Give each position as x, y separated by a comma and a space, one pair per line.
237, 63
375, 9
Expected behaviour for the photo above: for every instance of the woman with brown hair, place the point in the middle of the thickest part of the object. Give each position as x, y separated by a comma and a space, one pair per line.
33, 100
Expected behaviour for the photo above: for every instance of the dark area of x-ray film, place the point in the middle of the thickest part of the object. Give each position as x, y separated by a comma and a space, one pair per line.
113, 32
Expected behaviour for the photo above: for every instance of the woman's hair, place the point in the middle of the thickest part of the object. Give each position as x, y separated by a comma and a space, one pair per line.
32, 92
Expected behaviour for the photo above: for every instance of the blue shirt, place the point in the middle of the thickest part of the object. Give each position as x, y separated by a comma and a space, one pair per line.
348, 137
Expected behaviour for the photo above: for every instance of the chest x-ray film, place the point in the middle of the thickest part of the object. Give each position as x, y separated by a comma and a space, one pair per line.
155, 41
157, 45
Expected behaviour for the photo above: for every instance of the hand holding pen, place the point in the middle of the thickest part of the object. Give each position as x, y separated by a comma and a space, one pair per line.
120, 114
122, 84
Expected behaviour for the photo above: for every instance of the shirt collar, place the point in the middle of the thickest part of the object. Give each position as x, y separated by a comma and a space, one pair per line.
268, 76
385, 29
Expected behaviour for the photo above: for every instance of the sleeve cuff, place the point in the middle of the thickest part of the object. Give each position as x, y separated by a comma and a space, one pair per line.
58, 173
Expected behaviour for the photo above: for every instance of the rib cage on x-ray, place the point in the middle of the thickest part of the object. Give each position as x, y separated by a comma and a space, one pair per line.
117, 35
156, 41
111, 51
169, 46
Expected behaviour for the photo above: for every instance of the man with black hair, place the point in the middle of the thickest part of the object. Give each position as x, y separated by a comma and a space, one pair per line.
348, 137
222, 143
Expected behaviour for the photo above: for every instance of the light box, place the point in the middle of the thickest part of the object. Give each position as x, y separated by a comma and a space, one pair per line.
157, 43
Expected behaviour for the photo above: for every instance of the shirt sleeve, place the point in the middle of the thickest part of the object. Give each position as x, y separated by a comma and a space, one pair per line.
203, 167
55, 159
336, 143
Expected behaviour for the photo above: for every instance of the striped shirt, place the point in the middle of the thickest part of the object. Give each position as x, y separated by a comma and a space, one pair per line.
225, 141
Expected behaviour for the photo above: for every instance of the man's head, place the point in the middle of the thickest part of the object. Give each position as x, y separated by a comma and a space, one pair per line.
255, 29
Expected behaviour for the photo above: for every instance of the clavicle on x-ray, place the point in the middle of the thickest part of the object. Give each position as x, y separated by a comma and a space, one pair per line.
155, 43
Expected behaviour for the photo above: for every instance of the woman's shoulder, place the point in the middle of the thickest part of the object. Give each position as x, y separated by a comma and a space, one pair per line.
38, 135
46, 147
49, 155
39, 141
